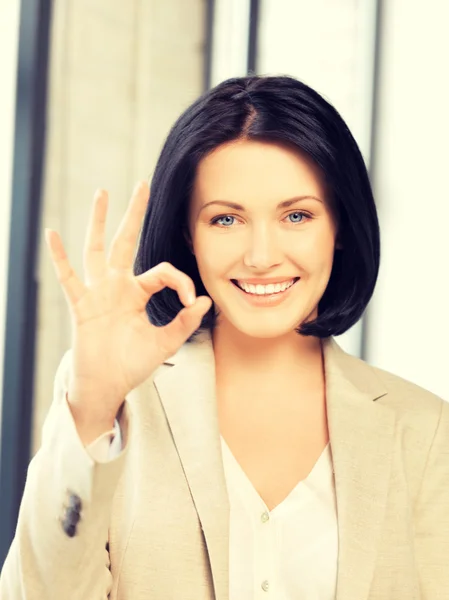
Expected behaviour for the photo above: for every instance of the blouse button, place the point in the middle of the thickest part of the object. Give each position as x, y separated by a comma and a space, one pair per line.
264, 518
265, 585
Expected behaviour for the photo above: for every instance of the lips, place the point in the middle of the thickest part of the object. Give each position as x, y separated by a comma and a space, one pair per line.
291, 281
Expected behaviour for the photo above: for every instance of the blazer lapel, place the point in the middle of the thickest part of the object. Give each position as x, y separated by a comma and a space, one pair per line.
361, 434
187, 393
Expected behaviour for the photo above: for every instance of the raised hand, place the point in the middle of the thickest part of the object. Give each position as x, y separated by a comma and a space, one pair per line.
115, 347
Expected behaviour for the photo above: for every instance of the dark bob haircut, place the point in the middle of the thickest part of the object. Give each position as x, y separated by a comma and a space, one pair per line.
277, 109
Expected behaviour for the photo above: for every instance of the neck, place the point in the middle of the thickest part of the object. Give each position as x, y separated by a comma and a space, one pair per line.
248, 358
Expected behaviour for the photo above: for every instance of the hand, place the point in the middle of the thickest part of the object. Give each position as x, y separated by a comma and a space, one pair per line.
115, 346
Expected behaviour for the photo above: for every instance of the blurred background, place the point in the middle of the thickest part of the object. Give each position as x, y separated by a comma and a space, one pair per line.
90, 89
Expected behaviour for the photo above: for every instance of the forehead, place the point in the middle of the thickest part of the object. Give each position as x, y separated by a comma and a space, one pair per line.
244, 170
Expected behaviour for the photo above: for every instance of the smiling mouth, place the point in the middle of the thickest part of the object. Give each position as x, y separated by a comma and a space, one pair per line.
272, 291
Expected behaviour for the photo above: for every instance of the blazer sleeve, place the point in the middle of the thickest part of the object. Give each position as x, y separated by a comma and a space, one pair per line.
60, 544
432, 515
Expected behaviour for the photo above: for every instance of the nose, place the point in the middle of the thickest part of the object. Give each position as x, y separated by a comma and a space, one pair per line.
263, 251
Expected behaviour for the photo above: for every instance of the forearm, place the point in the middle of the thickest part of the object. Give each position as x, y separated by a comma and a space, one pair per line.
55, 549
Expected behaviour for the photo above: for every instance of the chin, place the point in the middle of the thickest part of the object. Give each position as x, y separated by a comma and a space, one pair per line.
264, 328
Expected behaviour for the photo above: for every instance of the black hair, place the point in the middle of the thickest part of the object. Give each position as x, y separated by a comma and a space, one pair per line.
277, 109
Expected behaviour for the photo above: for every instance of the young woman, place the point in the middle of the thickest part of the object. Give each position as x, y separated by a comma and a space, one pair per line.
251, 457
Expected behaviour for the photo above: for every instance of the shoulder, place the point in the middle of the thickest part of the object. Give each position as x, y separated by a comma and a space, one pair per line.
416, 407
422, 417
381, 385
403, 391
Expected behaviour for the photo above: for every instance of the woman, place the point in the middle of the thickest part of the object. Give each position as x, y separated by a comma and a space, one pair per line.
252, 457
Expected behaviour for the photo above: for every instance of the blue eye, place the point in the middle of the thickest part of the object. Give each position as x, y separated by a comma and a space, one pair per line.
301, 214
226, 225
221, 218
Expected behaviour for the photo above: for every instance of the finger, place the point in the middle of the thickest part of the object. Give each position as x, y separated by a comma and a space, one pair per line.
121, 254
73, 288
172, 336
94, 258
166, 275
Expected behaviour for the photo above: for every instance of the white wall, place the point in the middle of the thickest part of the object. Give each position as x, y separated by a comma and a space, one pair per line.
9, 36
229, 40
409, 317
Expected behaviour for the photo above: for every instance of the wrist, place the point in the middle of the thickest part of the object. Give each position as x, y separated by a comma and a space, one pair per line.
90, 422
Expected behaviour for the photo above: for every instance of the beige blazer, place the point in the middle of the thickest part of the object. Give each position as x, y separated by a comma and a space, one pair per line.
163, 506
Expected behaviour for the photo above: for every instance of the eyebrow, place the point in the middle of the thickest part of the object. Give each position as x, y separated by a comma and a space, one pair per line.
283, 204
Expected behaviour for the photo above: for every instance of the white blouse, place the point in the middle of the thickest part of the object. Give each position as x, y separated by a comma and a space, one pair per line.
288, 553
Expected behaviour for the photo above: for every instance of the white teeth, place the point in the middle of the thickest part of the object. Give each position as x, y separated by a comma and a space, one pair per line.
265, 289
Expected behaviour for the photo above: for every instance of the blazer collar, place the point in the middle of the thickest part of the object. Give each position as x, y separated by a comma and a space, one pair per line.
361, 434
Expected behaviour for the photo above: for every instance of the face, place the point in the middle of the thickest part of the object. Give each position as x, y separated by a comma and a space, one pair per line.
250, 236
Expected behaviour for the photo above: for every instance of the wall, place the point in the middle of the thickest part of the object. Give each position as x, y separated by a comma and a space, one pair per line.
409, 323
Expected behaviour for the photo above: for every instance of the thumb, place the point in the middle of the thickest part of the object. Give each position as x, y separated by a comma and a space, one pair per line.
174, 334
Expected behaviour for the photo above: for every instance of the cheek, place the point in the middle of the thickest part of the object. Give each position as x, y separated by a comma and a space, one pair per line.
315, 251
214, 255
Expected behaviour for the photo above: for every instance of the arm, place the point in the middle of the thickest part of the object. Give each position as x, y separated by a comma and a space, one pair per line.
59, 548
432, 516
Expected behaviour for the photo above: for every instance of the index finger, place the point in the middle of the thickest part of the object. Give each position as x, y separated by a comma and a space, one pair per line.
121, 253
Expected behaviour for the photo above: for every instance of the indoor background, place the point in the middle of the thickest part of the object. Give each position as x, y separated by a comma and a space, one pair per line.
90, 89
